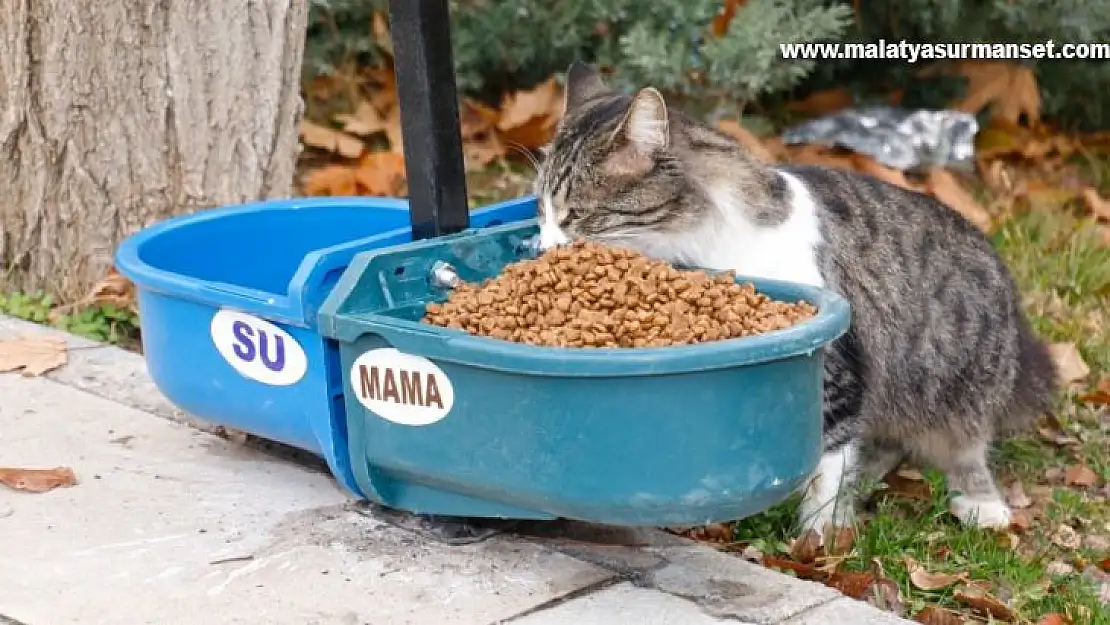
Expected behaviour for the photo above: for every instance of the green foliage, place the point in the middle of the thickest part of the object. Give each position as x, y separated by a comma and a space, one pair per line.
745, 63
506, 44
104, 323
339, 36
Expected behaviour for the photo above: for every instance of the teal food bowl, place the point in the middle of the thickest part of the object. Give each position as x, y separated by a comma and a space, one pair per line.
442, 422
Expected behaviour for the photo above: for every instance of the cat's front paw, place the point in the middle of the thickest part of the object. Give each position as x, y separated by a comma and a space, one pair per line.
825, 518
986, 512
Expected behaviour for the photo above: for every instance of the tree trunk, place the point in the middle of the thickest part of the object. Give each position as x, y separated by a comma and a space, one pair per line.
115, 114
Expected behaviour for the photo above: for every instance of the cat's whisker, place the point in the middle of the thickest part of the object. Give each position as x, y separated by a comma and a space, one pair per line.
526, 153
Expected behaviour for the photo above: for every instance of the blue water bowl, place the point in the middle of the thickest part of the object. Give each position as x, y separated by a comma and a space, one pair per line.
228, 303
442, 422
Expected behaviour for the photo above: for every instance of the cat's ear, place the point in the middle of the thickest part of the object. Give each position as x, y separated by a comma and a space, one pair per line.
583, 82
646, 125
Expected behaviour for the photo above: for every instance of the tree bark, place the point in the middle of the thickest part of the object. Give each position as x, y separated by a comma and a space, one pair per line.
115, 114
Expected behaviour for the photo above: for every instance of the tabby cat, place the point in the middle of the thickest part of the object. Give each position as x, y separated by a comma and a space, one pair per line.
939, 359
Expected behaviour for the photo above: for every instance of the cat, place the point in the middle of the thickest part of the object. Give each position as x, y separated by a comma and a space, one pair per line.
939, 359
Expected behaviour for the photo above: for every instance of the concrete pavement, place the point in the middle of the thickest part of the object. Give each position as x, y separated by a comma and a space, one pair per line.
171, 524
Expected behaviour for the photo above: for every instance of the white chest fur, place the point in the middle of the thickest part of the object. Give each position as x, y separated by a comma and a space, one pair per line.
787, 251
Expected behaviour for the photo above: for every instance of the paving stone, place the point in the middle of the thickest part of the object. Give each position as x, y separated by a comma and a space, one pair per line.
172, 525
105, 371
625, 604
726, 586
618, 548
847, 611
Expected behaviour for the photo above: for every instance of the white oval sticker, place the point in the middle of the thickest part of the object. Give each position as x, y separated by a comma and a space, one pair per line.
258, 349
402, 388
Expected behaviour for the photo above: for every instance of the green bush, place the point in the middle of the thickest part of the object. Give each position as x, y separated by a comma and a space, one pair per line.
505, 44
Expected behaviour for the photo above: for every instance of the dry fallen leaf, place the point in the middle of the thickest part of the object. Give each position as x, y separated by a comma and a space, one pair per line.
910, 474
752, 554
906, 484
933, 615
331, 140
381, 174
746, 139
528, 117
924, 580
1069, 363
1021, 520
985, 603
1080, 475
521, 107
1057, 567
331, 180
1055, 618
840, 540
871, 167
944, 186
365, 121
35, 355
887, 596
807, 547
1042, 196
1010, 89
1016, 497
1065, 536
823, 102
724, 16
1098, 397
393, 131
1099, 206
718, 532
383, 94
37, 480
481, 152
803, 571
476, 119
852, 584
383, 38
114, 290
1054, 433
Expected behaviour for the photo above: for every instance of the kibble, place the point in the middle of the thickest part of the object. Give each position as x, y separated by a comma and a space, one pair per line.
588, 295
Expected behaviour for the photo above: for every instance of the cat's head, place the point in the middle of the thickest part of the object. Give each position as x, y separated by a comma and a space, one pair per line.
613, 172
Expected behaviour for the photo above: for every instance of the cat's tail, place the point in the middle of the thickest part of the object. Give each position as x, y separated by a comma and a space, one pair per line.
1034, 385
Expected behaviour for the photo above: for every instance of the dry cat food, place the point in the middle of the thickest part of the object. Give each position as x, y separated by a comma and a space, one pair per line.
588, 295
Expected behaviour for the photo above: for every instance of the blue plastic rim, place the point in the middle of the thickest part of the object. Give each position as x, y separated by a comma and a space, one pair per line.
653, 436
229, 297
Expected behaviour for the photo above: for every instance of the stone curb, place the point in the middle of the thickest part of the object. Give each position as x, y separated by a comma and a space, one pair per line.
661, 575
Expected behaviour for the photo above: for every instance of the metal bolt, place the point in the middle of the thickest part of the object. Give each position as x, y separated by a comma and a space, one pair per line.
444, 275
532, 244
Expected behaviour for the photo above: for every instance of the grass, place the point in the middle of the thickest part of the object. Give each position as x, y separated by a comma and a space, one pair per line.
1064, 271
104, 323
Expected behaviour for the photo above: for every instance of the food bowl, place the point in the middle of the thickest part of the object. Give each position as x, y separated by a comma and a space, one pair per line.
442, 422
229, 297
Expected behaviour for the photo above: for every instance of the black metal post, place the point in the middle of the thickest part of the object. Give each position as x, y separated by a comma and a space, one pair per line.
425, 67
